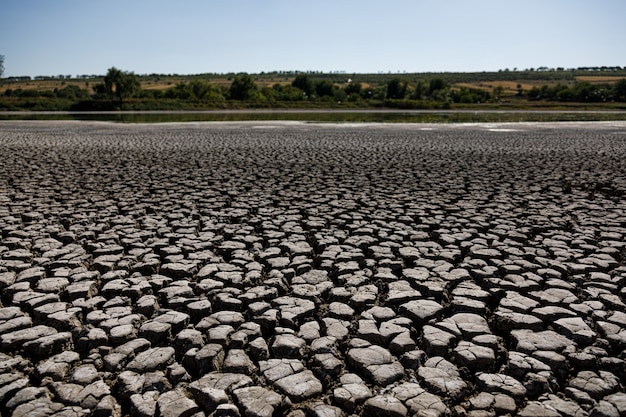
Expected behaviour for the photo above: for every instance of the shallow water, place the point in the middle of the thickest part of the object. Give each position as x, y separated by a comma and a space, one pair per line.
326, 116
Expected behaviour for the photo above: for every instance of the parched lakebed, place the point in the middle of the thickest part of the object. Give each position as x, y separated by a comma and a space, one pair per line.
265, 269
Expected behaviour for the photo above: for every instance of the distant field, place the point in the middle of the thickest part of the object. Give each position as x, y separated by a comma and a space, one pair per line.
146, 83
46, 85
163, 83
598, 79
508, 86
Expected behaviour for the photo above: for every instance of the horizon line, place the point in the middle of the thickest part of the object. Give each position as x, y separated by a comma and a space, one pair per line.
601, 68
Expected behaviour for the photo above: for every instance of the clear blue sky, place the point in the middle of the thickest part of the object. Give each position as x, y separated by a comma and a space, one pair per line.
52, 37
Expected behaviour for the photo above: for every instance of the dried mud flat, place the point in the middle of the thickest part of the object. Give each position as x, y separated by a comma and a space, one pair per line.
262, 269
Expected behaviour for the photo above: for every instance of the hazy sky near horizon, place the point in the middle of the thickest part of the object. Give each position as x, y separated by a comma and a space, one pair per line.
46, 37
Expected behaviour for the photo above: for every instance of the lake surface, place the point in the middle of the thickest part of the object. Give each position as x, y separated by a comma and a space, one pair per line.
326, 116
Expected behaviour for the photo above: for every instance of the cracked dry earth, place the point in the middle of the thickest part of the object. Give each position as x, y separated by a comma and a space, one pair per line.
266, 269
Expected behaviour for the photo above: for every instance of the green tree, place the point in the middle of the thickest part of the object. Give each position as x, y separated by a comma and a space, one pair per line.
200, 90
304, 83
71, 92
324, 88
353, 88
619, 90
121, 84
583, 91
269, 94
1, 65
379, 92
204, 90
288, 92
421, 88
242, 88
180, 91
435, 85
339, 95
396, 89
498, 92
534, 93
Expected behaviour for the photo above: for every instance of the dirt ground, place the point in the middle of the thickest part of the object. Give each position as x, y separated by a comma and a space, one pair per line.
284, 268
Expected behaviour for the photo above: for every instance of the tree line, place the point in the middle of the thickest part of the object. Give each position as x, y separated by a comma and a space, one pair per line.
535, 74
581, 92
120, 86
122, 89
